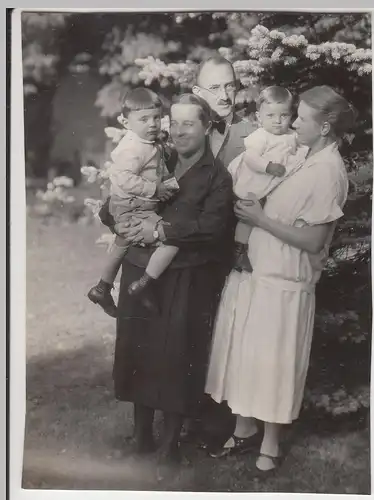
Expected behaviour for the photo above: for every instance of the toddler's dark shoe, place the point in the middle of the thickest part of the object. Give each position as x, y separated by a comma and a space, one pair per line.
141, 289
103, 298
241, 260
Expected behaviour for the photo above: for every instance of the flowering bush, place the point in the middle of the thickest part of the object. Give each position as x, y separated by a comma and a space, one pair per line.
55, 197
57, 191
40, 54
258, 53
268, 56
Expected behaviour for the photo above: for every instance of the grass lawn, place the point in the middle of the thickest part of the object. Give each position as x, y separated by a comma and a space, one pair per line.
75, 428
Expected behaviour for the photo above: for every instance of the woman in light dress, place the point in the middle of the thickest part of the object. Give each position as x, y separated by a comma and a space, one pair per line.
264, 326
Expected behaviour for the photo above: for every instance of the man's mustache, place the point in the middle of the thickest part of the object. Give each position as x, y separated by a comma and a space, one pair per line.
224, 101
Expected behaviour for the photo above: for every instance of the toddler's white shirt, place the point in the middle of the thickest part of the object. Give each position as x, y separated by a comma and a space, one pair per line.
249, 169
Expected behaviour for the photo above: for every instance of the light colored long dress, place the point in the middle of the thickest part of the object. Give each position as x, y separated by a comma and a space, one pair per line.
264, 326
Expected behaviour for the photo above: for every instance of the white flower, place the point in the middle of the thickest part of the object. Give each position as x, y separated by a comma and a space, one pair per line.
254, 53
104, 174
90, 172
114, 133
242, 41
277, 54
295, 41
311, 48
40, 194
93, 205
277, 35
365, 69
260, 31
313, 56
63, 181
265, 61
225, 52
49, 196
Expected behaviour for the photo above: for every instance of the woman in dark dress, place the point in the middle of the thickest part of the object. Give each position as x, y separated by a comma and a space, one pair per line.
161, 360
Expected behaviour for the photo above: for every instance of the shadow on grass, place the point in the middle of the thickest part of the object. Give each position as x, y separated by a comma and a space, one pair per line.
75, 434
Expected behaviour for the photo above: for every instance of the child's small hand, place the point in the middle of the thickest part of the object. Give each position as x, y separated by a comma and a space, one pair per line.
276, 169
163, 192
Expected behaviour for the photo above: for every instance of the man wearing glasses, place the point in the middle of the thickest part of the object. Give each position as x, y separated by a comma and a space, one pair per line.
217, 85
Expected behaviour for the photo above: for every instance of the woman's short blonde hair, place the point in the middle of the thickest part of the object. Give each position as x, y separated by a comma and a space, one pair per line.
331, 108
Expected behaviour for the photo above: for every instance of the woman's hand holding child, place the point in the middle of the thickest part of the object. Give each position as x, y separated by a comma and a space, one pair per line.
163, 192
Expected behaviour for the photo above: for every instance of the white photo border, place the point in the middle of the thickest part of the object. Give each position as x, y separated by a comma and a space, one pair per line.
17, 353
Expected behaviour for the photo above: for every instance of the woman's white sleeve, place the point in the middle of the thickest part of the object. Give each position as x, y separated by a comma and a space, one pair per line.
324, 200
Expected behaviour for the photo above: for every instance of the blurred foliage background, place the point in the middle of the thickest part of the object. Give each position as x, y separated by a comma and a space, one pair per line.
81, 65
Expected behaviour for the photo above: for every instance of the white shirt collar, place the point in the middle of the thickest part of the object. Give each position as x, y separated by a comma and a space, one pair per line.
326, 151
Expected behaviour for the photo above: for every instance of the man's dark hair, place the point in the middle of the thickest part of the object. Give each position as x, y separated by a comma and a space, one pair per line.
216, 60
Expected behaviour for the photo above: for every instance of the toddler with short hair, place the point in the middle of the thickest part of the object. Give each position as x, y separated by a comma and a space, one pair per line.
139, 180
272, 154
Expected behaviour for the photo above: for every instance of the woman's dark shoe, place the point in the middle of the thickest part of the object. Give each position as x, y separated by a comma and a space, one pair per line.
240, 446
141, 289
102, 296
241, 260
194, 436
191, 431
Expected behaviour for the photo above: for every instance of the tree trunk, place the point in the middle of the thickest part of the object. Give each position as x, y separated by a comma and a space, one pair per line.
38, 132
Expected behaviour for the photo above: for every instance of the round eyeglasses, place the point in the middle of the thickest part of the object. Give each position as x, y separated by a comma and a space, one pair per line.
215, 88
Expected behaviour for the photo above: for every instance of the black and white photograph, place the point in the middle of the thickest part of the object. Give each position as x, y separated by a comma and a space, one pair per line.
187, 329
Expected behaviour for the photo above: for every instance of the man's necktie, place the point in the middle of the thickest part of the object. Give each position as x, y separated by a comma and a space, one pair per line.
220, 126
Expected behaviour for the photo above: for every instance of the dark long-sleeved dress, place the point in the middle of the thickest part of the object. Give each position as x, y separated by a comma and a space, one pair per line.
161, 361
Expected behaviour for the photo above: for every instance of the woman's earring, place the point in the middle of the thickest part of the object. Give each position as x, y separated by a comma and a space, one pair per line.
326, 128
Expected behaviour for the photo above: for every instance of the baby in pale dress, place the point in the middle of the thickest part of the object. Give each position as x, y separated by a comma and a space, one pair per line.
271, 155
139, 180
